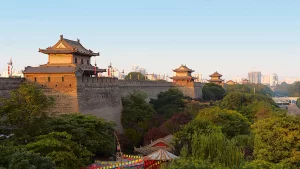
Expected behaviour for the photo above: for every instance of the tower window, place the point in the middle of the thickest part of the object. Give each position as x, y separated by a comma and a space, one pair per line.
62, 79
81, 61
48, 79
88, 62
34, 79
75, 60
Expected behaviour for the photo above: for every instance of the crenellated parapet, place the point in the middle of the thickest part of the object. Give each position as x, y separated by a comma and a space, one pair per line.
96, 82
99, 96
10, 83
137, 83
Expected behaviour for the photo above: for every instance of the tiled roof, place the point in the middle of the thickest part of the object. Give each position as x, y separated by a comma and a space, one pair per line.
151, 147
183, 68
77, 45
216, 74
168, 138
161, 155
61, 69
90, 68
50, 69
145, 150
69, 46
230, 81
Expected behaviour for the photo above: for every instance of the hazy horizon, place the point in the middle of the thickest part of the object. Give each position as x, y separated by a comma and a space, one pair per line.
232, 37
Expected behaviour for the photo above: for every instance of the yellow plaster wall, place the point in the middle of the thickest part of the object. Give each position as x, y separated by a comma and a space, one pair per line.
182, 74
215, 78
60, 58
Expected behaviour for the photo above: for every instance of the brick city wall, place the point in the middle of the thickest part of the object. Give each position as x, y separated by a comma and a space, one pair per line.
62, 87
97, 96
9, 84
100, 97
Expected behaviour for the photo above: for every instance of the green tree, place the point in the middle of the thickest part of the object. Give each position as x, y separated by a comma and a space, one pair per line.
210, 150
282, 89
260, 164
193, 107
298, 102
250, 88
13, 158
169, 102
213, 92
26, 160
217, 148
135, 76
277, 139
231, 122
59, 147
252, 106
92, 132
25, 105
136, 116
184, 136
190, 163
294, 89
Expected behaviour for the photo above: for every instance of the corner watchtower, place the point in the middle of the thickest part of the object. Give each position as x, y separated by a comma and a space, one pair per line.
216, 78
66, 57
183, 76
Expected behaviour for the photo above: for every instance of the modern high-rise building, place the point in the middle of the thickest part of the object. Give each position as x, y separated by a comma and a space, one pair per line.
136, 68
254, 77
273, 79
265, 79
198, 77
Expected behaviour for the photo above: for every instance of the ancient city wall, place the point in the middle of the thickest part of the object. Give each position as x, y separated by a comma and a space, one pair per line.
97, 96
8, 84
100, 97
62, 88
151, 88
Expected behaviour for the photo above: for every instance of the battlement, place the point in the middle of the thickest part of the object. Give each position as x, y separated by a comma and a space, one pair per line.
10, 83
135, 83
96, 81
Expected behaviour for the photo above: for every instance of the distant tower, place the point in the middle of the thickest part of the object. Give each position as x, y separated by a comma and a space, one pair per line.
254, 77
183, 76
109, 70
9, 68
216, 79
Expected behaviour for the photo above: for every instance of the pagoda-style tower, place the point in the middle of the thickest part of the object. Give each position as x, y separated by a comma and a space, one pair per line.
216, 78
183, 75
66, 57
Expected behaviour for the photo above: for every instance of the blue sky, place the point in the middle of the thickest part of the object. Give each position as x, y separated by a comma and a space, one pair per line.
229, 36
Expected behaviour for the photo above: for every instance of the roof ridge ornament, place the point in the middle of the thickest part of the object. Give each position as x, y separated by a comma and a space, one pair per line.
78, 40
61, 36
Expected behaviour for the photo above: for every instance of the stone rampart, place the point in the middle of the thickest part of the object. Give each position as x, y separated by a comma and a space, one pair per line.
9, 84
100, 97
151, 88
97, 96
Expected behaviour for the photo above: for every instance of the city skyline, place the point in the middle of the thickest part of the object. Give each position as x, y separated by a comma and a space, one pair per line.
207, 36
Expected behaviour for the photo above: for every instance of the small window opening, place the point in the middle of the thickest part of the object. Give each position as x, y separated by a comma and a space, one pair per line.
34, 79
81, 61
75, 60
48, 79
62, 79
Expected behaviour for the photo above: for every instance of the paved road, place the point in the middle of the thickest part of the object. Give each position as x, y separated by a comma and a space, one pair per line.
293, 109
